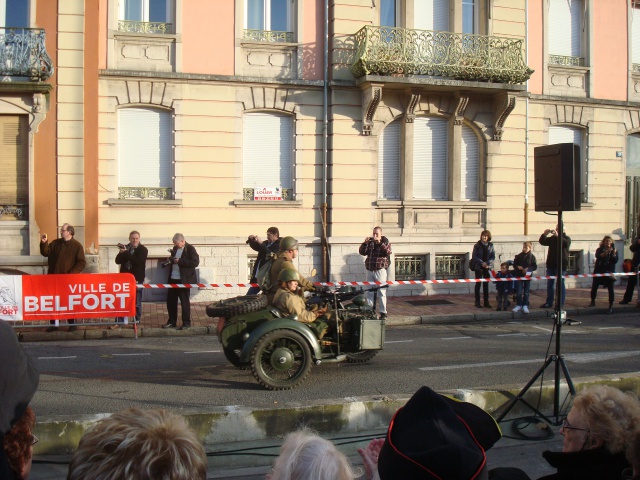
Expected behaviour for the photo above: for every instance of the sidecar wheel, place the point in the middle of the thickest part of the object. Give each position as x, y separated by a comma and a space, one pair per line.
230, 307
361, 357
234, 358
281, 360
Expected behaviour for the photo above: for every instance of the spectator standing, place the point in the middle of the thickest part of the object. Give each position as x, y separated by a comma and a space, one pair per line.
184, 260
503, 288
18, 383
549, 238
64, 255
139, 444
132, 258
270, 245
632, 279
482, 259
377, 250
606, 259
524, 263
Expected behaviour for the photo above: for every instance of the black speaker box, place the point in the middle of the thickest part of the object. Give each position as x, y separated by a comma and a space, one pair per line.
557, 177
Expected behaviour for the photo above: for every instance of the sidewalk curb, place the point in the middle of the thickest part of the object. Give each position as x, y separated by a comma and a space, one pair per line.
223, 428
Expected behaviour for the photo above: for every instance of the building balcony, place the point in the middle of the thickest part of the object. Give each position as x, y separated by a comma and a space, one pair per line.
23, 54
404, 52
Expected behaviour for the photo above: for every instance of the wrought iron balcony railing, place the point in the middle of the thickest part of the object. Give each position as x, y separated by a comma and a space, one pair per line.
402, 51
131, 26
566, 60
635, 67
23, 54
268, 36
145, 193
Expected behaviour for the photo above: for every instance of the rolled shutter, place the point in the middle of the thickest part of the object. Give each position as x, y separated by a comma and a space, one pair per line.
565, 27
470, 162
14, 159
267, 150
389, 162
635, 35
144, 147
430, 159
431, 15
573, 135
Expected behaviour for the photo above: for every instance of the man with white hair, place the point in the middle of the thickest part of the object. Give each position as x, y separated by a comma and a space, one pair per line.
182, 269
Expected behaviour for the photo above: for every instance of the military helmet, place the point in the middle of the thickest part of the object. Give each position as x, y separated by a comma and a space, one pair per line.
288, 243
288, 274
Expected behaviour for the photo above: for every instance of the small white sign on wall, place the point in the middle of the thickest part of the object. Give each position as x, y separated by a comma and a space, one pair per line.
267, 193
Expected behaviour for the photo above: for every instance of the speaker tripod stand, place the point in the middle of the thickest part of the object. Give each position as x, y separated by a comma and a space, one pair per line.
557, 359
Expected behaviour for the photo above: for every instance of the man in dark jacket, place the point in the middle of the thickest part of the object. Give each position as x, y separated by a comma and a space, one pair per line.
377, 249
18, 383
64, 255
132, 258
633, 279
550, 239
270, 245
182, 269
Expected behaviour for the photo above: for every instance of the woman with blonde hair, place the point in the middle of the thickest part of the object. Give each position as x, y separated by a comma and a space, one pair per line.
307, 456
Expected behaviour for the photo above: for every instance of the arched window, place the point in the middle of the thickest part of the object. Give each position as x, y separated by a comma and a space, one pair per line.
145, 153
389, 162
577, 136
430, 158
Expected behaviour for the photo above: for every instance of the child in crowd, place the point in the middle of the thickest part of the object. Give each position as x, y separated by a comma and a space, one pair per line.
525, 262
503, 288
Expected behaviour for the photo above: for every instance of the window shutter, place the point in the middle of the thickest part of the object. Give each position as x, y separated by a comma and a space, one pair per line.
635, 35
389, 162
573, 135
565, 28
470, 162
14, 160
267, 147
430, 159
431, 15
255, 15
144, 148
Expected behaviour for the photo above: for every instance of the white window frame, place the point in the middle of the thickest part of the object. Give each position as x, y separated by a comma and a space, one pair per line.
577, 135
145, 155
169, 16
566, 23
469, 165
265, 162
431, 166
267, 15
3, 14
389, 161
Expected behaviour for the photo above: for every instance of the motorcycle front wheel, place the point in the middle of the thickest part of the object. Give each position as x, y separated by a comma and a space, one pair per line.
281, 360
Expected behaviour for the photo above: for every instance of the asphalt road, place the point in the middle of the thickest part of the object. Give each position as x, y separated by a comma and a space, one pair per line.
192, 374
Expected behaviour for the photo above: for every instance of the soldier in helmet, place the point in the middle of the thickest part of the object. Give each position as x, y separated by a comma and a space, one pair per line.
288, 251
289, 299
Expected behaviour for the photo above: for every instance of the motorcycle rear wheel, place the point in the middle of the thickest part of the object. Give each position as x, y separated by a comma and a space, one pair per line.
362, 356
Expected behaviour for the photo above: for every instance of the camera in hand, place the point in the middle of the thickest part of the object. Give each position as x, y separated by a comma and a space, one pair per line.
121, 246
169, 260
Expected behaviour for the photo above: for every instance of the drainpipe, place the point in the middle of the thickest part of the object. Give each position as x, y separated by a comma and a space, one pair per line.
526, 124
325, 141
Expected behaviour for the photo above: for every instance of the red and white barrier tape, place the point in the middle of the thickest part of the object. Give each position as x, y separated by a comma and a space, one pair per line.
397, 282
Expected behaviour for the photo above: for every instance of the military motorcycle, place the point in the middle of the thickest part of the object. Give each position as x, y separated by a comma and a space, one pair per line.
280, 350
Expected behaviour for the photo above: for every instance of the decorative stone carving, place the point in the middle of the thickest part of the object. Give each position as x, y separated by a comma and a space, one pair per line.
412, 100
462, 100
370, 100
504, 105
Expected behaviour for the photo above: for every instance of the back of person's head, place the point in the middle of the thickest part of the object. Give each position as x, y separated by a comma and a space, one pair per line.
18, 444
633, 452
305, 455
609, 414
138, 444
434, 437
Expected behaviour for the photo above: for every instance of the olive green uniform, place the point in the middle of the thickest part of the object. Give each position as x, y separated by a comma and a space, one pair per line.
290, 304
280, 263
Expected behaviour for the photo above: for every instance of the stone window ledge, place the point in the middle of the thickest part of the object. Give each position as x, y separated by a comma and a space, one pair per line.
120, 202
267, 203
429, 204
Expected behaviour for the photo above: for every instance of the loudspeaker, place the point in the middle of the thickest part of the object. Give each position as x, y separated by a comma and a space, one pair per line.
557, 177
